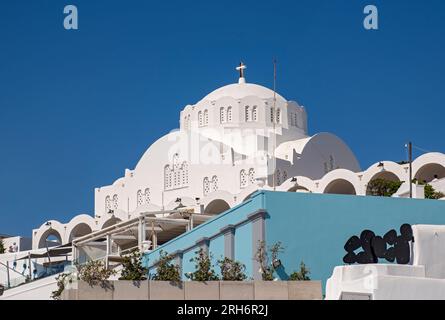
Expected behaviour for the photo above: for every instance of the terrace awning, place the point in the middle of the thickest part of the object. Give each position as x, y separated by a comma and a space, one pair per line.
58, 251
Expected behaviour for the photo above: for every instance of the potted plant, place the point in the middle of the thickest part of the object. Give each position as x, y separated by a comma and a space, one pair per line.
204, 283
166, 283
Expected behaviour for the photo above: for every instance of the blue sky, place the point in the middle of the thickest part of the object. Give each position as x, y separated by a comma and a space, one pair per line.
78, 107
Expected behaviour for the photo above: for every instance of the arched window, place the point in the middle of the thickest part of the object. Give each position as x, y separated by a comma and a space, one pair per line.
206, 186
331, 162
167, 177
115, 202
255, 113
147, 196
214, 183
247, 114
187, 122
175, 161
185, 174
200, 118
243, 179
206, 117
252, 176
140, 200
107, 204
278, 116
278, 178
229, 114
176, 179
222, 115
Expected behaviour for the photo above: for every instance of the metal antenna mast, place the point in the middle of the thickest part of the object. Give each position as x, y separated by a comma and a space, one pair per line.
274, 118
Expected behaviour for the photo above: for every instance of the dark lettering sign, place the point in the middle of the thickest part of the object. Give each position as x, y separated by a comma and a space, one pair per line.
390, 247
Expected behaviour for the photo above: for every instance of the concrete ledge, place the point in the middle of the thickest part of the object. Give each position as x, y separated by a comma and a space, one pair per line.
271, 290
87, 292
130, 290
166, 290
305, 290
194, 290
236, 290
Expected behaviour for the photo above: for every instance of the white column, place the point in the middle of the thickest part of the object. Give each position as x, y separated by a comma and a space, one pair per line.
108, 250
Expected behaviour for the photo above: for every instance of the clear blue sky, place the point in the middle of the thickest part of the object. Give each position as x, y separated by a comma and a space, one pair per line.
78, 107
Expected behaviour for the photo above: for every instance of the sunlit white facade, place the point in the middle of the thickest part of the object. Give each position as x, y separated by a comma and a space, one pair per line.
237, 139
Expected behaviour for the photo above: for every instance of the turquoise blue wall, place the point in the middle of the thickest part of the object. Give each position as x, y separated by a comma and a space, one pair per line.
312, 227
209, 229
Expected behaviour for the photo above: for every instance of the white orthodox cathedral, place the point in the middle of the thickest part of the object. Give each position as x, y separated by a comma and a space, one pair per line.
237, 139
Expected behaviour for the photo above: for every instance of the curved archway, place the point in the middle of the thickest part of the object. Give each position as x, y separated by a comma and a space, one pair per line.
248, 196
298, 188
340, 186
80, 230
385, 175
110, 222
429, 172
50, 238
216, 206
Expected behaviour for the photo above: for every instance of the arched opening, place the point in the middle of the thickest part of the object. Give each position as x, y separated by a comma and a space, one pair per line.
216, 207
298, 188
248, 197
50, 238
429, 172
82, 229
340, 186
110, 222
384, 175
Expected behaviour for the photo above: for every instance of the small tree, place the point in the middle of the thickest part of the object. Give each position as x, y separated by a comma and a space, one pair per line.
61, 283
132, 267
431, 193
95, 273
2, 247
267, 268
383, 187
232, 270
63, 280
301, 275
203, 267
166, 270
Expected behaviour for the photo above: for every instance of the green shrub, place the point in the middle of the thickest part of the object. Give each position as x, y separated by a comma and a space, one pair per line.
232, 270
95, 273
166, 270
267, 268
203, 267
132, 267
2, 247
383, 187
301, 275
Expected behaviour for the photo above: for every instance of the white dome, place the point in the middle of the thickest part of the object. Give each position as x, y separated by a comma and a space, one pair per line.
242, 90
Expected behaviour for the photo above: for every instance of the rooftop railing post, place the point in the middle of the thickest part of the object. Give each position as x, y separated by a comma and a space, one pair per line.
141, 233
7, 272
74, 252
108, 251
29, 266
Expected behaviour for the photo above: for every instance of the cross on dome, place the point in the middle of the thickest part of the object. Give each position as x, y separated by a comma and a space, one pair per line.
241, 69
